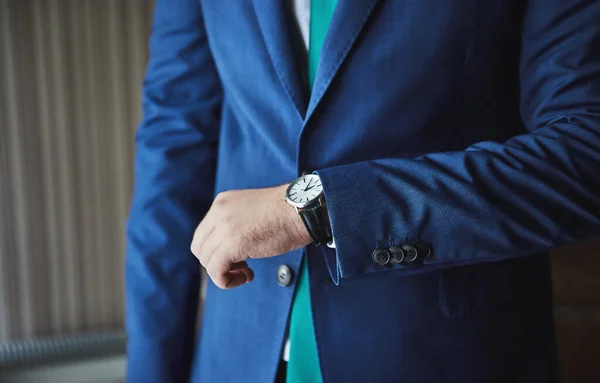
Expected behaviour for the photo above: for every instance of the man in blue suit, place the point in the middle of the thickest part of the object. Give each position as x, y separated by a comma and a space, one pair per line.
442, 148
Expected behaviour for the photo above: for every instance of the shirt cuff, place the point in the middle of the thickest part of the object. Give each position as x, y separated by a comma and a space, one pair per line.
331, 244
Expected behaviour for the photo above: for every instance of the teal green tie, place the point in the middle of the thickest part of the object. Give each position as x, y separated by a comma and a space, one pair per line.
303, 364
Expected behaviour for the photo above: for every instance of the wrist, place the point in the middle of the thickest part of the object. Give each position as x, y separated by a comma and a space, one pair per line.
299, 229
306, 196
292, 222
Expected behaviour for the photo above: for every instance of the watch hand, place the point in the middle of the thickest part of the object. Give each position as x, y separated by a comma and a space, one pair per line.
307, 186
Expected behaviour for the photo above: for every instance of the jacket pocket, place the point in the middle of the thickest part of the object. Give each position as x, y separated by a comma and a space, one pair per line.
460, 292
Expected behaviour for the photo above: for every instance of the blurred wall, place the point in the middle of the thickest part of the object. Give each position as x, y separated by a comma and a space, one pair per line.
70, 75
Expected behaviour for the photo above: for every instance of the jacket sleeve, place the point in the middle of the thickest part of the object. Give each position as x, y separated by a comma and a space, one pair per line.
494, 200
175, 161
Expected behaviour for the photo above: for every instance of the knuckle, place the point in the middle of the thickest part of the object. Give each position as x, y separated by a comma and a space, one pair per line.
195, 249
221, 283
225, 221
212, 275
222, 197
217, 277
228, 223
238, 246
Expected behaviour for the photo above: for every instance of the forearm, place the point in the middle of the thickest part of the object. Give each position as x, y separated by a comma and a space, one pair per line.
491, 202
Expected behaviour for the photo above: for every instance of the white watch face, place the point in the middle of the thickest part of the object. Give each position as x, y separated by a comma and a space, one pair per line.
304, 190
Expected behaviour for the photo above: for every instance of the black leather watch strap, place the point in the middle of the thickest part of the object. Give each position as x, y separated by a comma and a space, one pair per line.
317, 223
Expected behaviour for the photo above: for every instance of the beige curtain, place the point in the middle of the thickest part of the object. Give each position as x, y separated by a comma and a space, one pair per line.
70, 76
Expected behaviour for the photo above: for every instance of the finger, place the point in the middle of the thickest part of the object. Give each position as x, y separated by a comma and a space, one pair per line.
239, 265
210, 248
243, 266
203, 231
236, 278
226, 274
218, 268
229, 279
249, 274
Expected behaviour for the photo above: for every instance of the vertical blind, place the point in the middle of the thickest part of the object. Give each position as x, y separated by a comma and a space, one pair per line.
70, 77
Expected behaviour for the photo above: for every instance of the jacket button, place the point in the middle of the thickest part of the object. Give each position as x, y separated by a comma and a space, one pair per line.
397, 254
410, 253
284, 275
381, 256
424, 250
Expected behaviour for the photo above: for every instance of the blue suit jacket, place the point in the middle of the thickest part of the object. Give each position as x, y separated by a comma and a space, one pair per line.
472, 126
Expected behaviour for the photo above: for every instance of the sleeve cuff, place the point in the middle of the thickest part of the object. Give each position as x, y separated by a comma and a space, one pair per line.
331, 244
361, 224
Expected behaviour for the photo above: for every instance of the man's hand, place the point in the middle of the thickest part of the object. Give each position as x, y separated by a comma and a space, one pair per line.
243, 224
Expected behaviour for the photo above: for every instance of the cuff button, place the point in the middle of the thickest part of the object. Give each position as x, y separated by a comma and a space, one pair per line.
381, 256
397, 254
424, 250
410, 253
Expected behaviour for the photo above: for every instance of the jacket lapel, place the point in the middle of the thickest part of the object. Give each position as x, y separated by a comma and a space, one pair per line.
348, 20
285, 47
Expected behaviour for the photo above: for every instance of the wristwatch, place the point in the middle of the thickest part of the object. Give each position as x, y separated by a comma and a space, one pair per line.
306, 195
